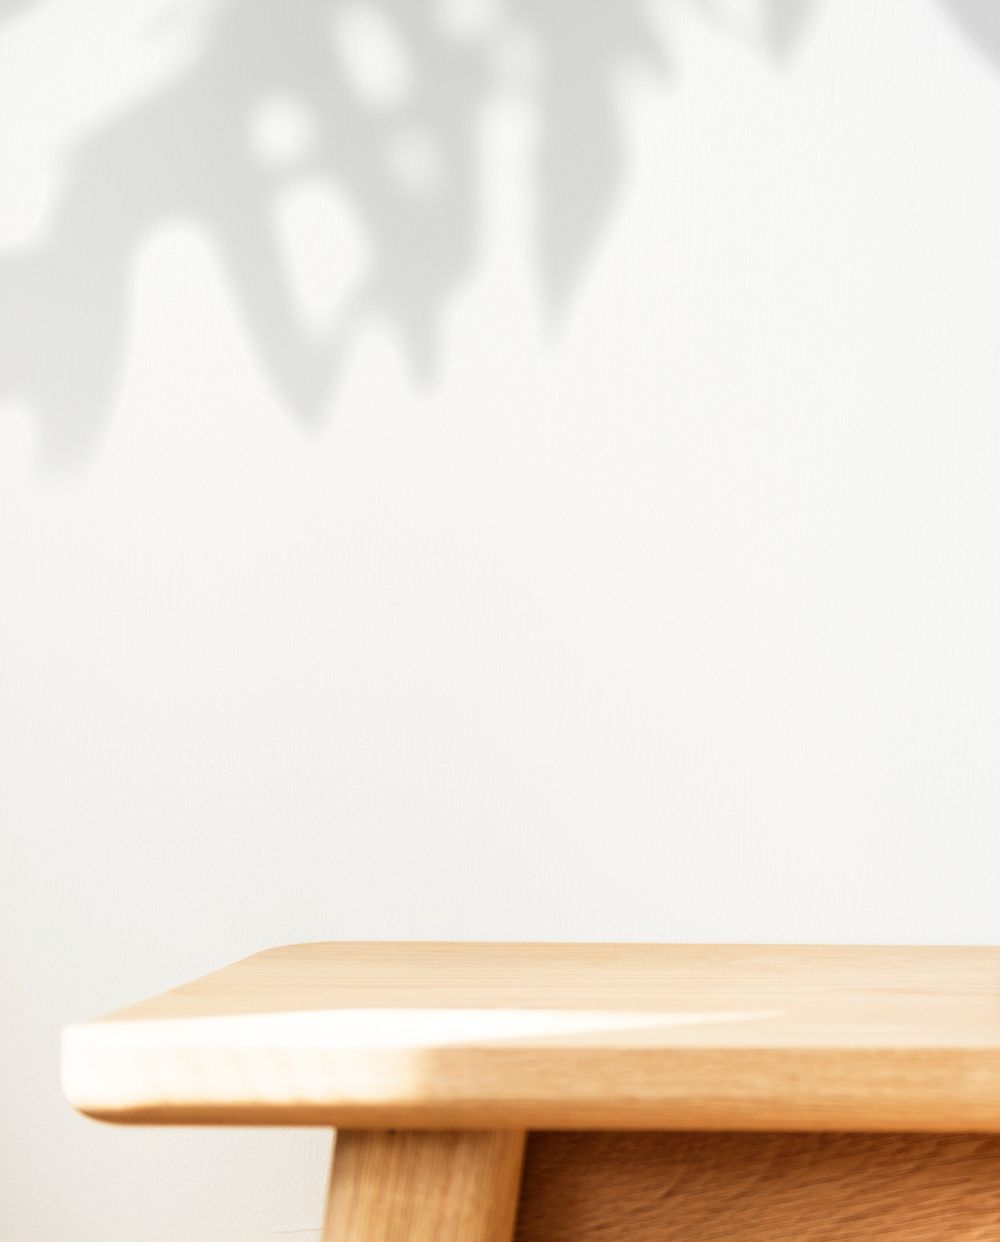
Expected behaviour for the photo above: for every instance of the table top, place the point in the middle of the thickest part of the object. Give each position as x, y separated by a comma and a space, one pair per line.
559, 1036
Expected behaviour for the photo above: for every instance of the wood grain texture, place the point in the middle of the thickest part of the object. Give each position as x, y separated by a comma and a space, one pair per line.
689, 1187
546, 1036
413, 1186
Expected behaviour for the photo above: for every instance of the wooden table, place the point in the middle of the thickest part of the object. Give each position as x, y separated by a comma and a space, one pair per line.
592, 1092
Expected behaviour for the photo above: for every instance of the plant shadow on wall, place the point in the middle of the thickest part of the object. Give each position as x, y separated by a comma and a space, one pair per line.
375, 101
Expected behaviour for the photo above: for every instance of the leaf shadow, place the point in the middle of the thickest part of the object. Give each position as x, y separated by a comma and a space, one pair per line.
979, 21
183, 154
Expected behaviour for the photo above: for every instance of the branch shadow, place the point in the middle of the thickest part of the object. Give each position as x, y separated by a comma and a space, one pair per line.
405, 162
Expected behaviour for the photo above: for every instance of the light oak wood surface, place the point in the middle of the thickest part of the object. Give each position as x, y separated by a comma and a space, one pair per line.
682, 1187
424, 1186
545, 1036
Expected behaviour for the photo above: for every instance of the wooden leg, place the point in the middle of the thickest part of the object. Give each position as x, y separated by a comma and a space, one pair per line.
424, 1186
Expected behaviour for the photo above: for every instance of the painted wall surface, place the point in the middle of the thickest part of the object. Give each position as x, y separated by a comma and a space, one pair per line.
479, 470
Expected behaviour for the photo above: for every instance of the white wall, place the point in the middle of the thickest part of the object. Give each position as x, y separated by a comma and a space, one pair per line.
658, 599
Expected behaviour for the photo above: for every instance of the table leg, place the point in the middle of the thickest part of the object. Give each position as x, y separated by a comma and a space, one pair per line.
424, 1186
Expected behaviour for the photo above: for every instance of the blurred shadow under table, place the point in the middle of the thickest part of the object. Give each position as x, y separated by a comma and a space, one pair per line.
595, 1092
